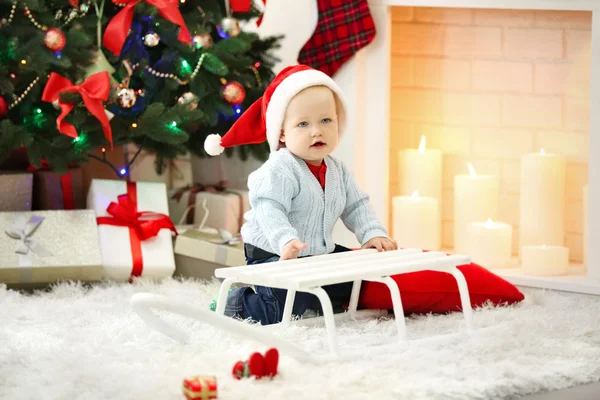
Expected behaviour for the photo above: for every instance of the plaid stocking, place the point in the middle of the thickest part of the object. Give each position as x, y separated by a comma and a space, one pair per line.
344, 27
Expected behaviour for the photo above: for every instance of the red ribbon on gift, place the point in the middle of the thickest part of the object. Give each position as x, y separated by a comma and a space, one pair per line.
142, 225
118, 28
94, 90
66, 185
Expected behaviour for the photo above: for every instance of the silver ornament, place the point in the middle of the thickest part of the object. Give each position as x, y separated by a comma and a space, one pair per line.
188, 99
127, 97
230, 26
151, 39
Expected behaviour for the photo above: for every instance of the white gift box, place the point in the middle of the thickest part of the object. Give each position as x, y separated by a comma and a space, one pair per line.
48, 246
115, 244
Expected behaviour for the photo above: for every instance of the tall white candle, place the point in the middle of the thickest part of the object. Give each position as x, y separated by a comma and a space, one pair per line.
489, 243
585, 224
543, 178
421, 170
475, 199
545, 260
417, 222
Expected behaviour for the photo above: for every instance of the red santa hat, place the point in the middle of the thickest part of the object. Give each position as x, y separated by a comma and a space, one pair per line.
264, 118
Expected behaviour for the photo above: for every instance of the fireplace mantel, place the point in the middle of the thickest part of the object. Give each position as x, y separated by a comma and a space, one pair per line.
372, 121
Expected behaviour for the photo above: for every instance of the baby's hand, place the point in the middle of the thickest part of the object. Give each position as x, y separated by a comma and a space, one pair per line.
381, 243
291, 249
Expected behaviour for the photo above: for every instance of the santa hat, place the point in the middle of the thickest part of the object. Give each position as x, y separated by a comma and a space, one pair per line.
264, 118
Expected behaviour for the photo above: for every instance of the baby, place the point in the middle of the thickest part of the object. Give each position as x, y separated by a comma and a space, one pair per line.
300, 192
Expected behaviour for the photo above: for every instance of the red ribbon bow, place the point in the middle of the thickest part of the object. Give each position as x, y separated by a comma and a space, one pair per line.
118, 28
142, 224
146, 224
93, 91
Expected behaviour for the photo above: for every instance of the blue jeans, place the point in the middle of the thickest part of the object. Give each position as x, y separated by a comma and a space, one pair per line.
266, 304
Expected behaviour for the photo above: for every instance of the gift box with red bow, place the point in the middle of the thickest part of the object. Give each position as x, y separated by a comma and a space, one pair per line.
52, 191
215, 205
134, 229
177, 172
16, 190
200, 387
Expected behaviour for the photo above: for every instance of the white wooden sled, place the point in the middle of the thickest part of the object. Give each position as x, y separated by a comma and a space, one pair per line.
309, 275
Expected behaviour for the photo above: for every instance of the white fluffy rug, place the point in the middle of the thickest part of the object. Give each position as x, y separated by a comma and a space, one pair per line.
86, 343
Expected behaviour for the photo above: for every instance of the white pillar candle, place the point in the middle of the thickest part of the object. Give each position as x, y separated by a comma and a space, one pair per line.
417, 222
420, 170
489, 244
545, 260
543, 178
475, 199
585, 224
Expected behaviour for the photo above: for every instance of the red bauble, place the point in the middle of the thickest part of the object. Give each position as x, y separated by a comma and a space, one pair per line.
234, 93
55, 39
3, 107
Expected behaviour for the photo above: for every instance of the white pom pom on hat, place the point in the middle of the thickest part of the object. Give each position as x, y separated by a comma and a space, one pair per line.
264, 118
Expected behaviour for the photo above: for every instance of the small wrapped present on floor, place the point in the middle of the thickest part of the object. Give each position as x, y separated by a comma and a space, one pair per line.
190, 204
199, 252
200, 387
58, 192
134, 229
16, 191
46, 246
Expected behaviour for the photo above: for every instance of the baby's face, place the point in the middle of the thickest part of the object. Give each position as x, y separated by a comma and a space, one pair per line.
310, 127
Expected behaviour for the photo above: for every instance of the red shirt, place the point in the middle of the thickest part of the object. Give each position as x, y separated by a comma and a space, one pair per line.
319, 172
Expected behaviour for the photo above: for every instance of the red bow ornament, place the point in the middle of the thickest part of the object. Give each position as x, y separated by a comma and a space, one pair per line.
94, 90
118, 28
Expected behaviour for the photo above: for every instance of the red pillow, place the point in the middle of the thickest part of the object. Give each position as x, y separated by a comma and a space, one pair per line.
437, 292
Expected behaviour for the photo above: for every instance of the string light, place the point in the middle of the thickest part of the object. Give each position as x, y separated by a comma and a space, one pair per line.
173, 124
256, 64
39, 110
23, 62
123, 171
76, 139
134, 125
104, 150
237, 109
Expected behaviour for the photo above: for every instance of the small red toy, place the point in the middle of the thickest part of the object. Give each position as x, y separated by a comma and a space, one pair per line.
257, 365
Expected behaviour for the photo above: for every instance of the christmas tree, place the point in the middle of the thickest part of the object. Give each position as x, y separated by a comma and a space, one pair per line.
161, 74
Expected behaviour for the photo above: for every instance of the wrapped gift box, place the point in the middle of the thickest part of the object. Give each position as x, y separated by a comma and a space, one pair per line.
200, 388
45, 246
225, 207
199, 252
58, 192
177, 173
125, 252
15, 191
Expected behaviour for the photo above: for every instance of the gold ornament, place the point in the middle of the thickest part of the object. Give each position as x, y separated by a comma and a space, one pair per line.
151, 39
230, 26
202, 41
234, 93
127, 97
55, 39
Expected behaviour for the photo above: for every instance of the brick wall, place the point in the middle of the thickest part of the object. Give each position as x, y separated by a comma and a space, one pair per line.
487, 86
